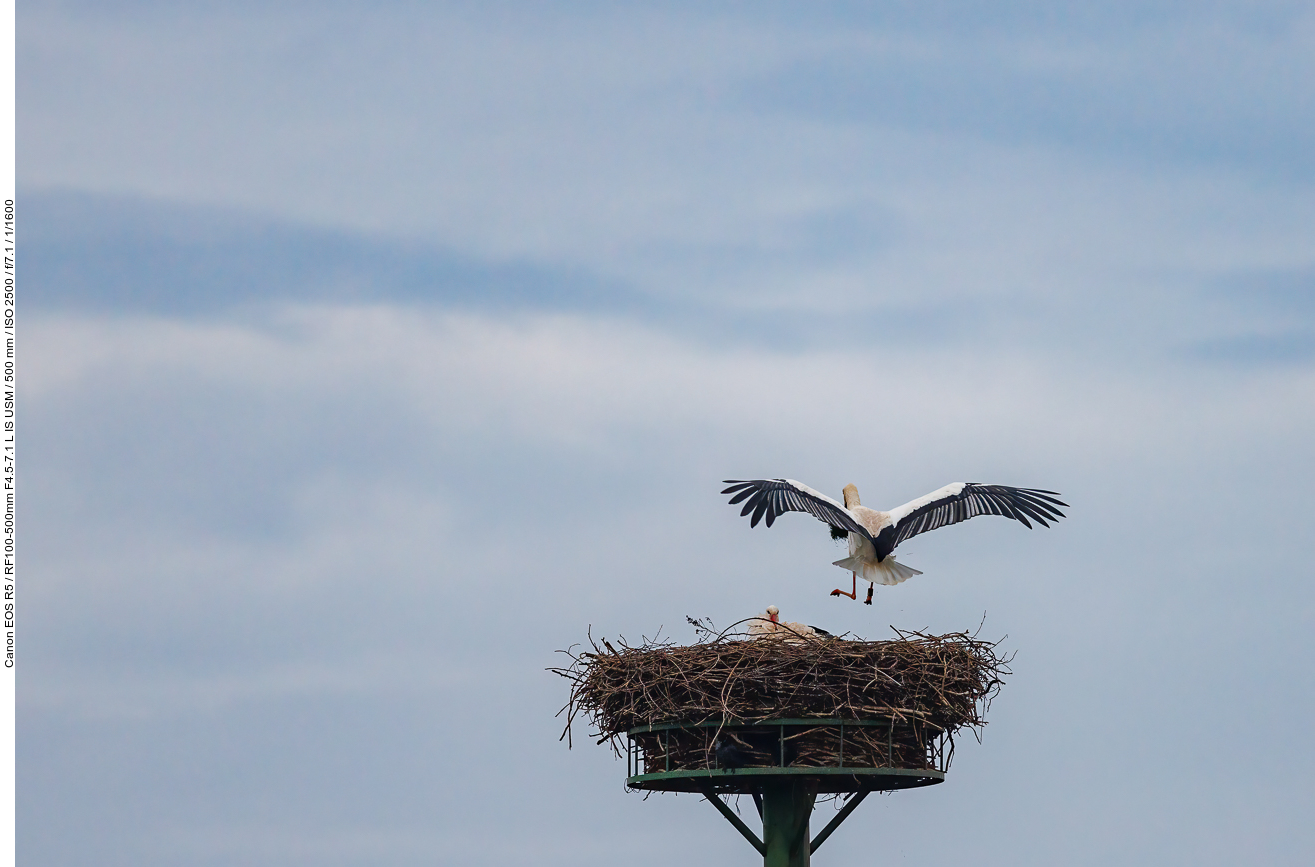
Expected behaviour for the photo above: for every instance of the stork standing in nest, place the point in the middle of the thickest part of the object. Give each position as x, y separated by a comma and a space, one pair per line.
874, 535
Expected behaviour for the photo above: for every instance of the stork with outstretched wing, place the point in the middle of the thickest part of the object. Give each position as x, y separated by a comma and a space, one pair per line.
874, 535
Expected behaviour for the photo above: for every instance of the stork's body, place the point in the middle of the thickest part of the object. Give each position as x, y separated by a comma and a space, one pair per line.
770, 625
873, 535
863, 557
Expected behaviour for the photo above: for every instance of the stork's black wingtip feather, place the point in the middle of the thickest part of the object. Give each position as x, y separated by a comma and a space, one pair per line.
1048, 496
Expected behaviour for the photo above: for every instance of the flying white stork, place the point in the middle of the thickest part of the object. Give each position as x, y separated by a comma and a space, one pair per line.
873, 535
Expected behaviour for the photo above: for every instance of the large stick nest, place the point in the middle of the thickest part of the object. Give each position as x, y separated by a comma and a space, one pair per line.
925, 686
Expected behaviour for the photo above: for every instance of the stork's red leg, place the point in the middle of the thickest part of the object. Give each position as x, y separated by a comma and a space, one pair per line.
854, 594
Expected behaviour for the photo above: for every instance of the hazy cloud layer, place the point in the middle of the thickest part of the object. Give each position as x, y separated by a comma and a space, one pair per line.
370, 357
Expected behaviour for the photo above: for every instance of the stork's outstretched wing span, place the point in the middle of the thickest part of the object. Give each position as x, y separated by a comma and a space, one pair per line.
873, 535
963, 500
771, 498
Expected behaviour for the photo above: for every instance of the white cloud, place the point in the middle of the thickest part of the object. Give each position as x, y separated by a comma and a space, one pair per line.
448, 497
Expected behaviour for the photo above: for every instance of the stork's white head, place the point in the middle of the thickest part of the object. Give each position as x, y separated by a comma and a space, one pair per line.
851, 496
772, 612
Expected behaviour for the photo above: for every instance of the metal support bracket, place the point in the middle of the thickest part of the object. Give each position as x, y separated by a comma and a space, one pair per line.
831, 826
735, 820
850, 806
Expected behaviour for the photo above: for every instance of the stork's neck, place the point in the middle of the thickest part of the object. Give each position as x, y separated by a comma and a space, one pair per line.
851, 496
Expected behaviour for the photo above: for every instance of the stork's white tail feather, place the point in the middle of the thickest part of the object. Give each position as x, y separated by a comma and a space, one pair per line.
886, 572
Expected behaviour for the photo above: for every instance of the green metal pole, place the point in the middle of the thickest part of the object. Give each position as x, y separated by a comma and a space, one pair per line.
786, 809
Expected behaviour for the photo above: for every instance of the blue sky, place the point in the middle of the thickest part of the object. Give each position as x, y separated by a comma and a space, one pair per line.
371, 354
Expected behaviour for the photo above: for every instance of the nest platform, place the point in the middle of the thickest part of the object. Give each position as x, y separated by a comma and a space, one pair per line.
674, 757
732, 715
